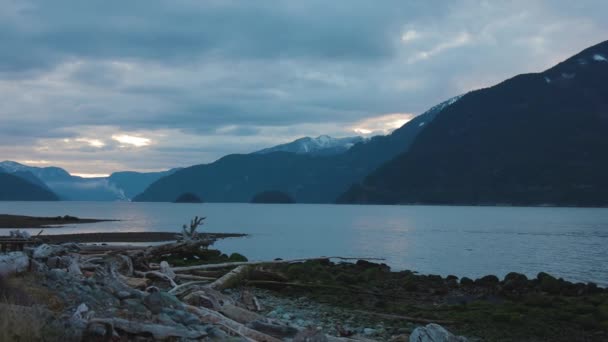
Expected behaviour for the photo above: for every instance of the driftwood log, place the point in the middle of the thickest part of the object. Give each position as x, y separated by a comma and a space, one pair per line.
246, 263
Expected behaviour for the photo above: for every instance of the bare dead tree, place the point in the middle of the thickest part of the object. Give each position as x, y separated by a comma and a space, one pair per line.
190, 233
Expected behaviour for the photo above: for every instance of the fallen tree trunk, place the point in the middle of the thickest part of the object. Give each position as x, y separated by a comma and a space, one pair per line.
195, 277
244, 263
231, 278
185, 285
213, 317
178, 247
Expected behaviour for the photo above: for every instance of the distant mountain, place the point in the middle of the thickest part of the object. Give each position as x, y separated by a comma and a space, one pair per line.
43, 173
133, 183
120, 186
308, 178
69, 187
534, 139
14, 188
321, 145
28, 176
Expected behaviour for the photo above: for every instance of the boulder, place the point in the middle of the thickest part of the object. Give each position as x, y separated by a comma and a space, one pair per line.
548, 283
434, 333
44, 251
487, 281
14, 262
156, 301
465, 281
515, 282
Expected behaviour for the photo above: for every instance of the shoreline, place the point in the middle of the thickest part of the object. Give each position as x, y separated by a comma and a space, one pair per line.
128, 237
359, 300
8, 221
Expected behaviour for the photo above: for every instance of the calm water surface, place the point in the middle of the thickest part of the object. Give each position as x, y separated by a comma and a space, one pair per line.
464, 241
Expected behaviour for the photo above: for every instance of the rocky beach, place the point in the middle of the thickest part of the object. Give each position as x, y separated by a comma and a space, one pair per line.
185, 290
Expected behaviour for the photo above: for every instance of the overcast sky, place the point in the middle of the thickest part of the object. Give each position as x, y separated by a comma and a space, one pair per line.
102, 86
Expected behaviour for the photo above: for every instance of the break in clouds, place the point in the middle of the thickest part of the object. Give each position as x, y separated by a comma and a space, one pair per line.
101, 86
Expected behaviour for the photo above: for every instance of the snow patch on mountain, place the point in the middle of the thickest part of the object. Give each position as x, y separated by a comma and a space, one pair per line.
321, 145
433, 111
599, 58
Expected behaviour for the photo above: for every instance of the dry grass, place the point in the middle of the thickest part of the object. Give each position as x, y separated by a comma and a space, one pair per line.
24, 315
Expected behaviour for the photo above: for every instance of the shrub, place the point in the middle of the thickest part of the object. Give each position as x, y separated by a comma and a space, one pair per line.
236, 257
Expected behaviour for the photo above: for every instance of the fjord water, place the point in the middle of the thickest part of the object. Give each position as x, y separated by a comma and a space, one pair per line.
465, 241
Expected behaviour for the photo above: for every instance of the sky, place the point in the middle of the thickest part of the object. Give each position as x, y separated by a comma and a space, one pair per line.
102, 86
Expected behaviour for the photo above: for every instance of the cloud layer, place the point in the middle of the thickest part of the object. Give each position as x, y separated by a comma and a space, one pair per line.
101, 86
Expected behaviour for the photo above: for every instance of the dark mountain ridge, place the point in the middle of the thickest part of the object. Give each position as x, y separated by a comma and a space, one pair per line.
308, 178
14, 188
534, 139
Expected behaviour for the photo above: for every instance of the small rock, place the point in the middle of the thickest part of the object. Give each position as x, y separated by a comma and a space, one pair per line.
138, 283
287, 316
53, 262
185, 318
123, 294
310, 335
215, 333
434, 333
369, 331
163, 318
158, 300
136, 306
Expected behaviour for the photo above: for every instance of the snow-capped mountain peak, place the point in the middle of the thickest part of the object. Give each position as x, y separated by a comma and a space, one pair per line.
321, 145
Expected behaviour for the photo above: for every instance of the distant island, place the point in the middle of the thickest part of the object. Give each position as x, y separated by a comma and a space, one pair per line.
188, 197
277, 197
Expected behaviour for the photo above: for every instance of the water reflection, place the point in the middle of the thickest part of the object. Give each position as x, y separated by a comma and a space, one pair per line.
465, 241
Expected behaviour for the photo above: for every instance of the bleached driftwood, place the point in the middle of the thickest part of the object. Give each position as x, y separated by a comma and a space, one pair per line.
179, 287
74, 265
213, 317
156, 274
250, 301
191, 233
231, 278
194, 277
241, 263
165, 269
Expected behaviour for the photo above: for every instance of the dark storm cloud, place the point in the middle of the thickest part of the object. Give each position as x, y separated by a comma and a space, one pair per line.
200, 79
182, 31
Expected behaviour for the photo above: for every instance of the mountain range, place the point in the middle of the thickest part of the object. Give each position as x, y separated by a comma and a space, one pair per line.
306, 177
16, 188
534, 139
120, 186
